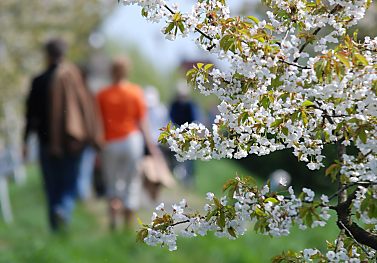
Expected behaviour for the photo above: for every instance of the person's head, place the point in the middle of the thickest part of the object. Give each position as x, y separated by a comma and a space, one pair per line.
119, 69
55, 50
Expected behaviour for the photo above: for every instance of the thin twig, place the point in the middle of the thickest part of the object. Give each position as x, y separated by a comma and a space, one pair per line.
196, 28
180, 222
351, 236
345, 187
342, 193
316, 31
293, 64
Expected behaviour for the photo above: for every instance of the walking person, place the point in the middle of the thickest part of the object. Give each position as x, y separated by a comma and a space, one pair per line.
184, 110
60, 111
156, 171
123, 111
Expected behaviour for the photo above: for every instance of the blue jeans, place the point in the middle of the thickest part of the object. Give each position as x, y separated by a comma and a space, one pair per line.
84, 182
60, 176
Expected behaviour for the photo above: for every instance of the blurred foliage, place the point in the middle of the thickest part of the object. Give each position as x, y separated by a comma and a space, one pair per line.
366, 27
25, 26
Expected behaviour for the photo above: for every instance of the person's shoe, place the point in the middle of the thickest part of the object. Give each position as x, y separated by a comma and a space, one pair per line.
61, 222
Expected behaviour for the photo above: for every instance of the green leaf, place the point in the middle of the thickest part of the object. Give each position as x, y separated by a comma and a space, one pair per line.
270, 27
169, 126
343, 59
190, 75
226, 42
162, 137
243, 117
285, 131
211, 214
295, 116
143, 233
303, 210
332, 171
360, 58
284, 96
272, 200
362, 135
232, 232
276, 123
181, 27
169, 28
221, 219
208, 66
260, 37
309, 219
144, 12
304, 118
307, 103
265, 102
217, 202
259, 212
199, 65
319, 69
254, 19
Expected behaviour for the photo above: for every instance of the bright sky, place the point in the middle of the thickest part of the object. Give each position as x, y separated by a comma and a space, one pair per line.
126, 25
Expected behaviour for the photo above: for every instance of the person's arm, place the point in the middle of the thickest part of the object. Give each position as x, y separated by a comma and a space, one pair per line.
144, 127
31, 118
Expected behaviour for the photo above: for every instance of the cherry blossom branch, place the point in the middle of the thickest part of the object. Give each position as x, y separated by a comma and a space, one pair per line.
180, 223
342, 195
345, 187
316, 31
293, 64
196, 28
213, 45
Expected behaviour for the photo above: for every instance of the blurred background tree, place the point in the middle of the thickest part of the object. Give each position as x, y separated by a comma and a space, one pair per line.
25, 26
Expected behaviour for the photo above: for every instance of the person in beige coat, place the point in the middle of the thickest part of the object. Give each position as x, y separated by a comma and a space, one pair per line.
63, 114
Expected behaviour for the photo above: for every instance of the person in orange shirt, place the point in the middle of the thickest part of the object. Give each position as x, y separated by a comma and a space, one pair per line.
126, 129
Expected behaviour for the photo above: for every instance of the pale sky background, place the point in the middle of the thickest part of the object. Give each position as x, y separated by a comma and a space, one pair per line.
126, 26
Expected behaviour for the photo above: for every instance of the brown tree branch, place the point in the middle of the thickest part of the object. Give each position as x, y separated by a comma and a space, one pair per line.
345, 187
342, 193
352, 229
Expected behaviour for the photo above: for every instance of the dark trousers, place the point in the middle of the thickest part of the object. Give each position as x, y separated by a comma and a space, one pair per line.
60, 175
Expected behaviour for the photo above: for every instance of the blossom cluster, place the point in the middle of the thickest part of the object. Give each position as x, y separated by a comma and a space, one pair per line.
342, 254
269, 101
230, 216
295, 80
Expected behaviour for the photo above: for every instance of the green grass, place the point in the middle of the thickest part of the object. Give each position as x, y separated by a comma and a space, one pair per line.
27, 239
